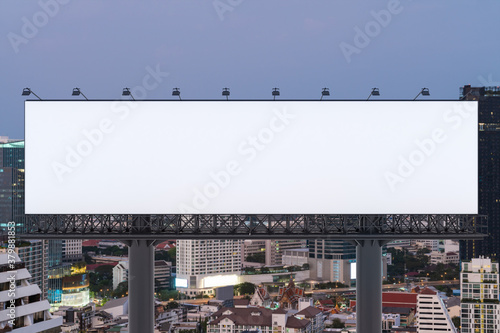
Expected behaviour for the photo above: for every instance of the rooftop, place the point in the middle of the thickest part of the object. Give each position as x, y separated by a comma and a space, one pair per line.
255, 317
309, 312
13, 144
114, 303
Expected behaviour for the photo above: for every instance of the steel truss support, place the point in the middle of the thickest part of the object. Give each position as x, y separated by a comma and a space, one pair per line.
232, 226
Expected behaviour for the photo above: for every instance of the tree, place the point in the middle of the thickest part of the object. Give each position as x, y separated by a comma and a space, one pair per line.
166, 294
121, 290
88, 259
337, 323
456, 321
249, 270
244, 288
305, 267
259, 257
172, 305
173, 254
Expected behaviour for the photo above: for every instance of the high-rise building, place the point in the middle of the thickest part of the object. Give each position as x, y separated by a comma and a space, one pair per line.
335, 261
12, 184
33, 254
432, 315
203, 265
72, 250
332, 260
270, 251
480, 311
489, 169
162, 274
24, 309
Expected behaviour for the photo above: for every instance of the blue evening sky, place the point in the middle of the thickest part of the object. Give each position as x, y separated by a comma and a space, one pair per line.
249, 46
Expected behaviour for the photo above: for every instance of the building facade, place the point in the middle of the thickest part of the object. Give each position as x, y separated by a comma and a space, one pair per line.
332, 260
295, 257
163, 275
203, 265
120, 273
271, 251
69, 286
489, 170
12, 184
432, 314
480, 311
72, 250
31, 312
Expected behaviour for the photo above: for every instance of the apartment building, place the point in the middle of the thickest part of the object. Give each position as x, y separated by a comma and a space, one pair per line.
203, 265
480, 311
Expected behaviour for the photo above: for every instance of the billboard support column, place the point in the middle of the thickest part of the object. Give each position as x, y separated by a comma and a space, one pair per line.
141, 286
369, 286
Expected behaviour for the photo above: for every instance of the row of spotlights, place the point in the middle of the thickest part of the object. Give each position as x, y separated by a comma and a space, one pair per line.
225, 92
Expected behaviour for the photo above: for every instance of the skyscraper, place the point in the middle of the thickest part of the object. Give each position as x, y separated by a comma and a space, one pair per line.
489, 169
12, 184
203, 265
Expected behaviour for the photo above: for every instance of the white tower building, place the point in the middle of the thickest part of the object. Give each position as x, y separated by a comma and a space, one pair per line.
203, 265
432, 313
480, 311
22, 308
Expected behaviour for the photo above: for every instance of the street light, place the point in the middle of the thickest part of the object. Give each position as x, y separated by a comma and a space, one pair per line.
225, 92
375, 92
28, 91
127, 92
276, 92
423, 92
77, 92
325, 92
176, 92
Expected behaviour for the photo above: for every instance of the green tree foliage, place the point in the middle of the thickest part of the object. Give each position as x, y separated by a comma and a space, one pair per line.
245, 288
418, 262
88, 259
259, 257
166, 255
101, 280
121, 290
337, 323
456, 321
172, 305
166, 294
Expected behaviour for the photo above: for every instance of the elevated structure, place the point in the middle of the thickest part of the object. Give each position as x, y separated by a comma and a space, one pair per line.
367, 232
342, 227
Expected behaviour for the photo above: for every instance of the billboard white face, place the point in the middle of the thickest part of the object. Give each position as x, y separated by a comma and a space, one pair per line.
251, 157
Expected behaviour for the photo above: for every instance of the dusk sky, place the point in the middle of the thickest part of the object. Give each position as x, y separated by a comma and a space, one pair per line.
249, 46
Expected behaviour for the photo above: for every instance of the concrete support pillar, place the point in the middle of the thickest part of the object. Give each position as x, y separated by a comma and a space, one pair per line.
141, 286
369, 286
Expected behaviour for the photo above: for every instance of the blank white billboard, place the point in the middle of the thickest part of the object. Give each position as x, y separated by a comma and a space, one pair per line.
251, 157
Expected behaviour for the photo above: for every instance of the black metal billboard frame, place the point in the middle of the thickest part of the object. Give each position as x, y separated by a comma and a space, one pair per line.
233, 226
